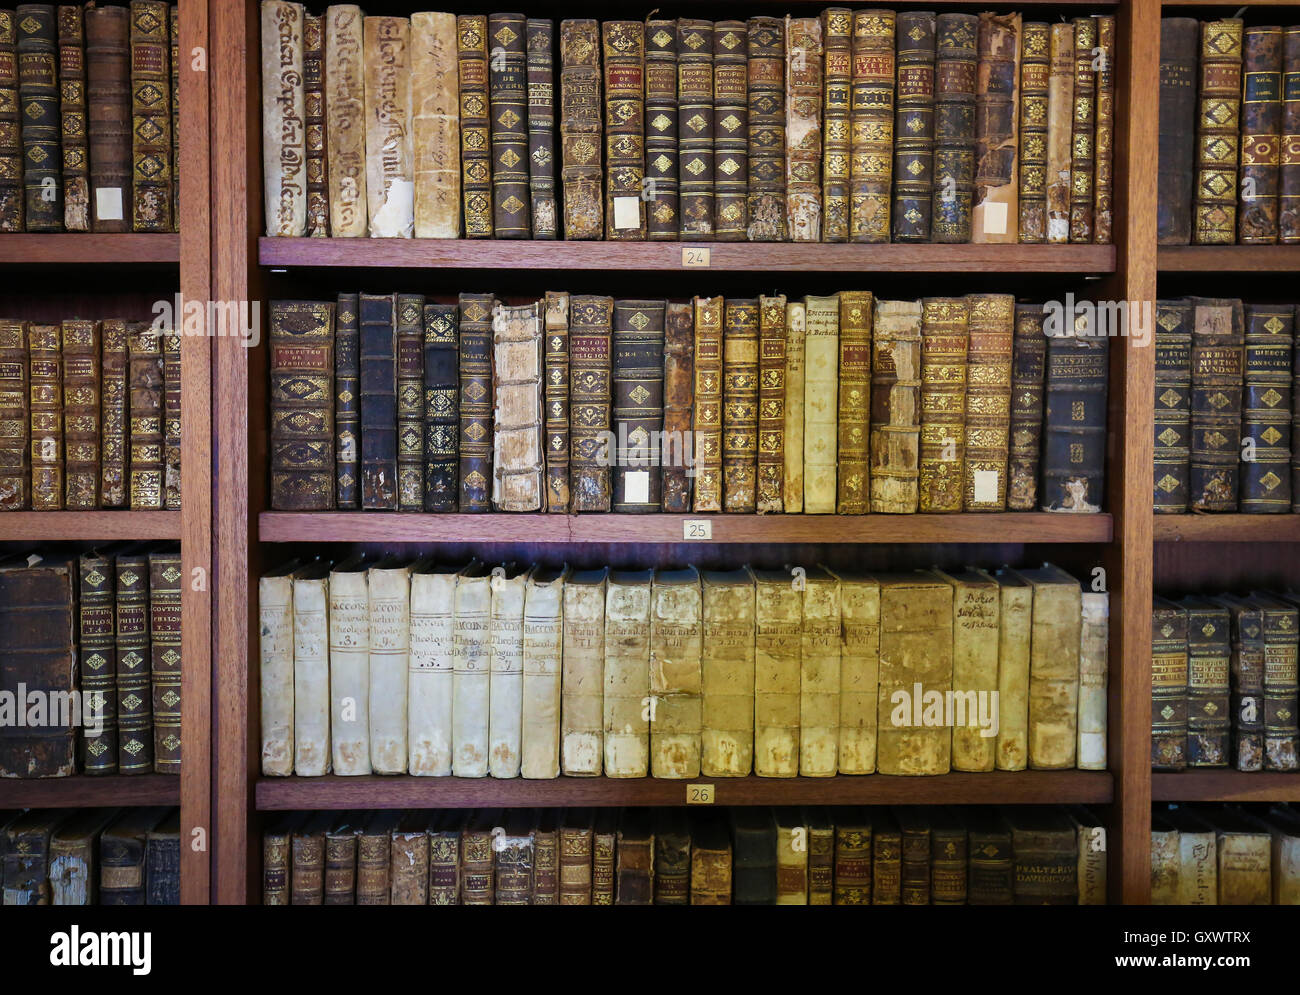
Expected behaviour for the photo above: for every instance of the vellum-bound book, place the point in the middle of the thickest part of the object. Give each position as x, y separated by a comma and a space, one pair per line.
517, 462
778, 639
1015, 619
349, 628
915, 660
275, 623
390, 642
627, 673
1093, 637
819, 683
727, 672
506, 686
471, 674
436, 122
433, 658
675, 682
311, 677
975, 629
543, 647
859, 671
582, 721
284, 132
390, 155
345, 120
1054, 668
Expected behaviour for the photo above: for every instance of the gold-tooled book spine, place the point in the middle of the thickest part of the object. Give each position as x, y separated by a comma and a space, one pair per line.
837, 32
1104, 142
72, 91
47, 416
708, 403
895, 406
15, 418
853, 422
1060, 128
731, 131
151, 116
944, 334
556, 390
988, 401
872, 112
313, 97
624, 48
766, 130
11, 145
771, 403
740, 406
792, 486
113, 388
171, 346
475, 125
81, 414
803, 128
1214, 215
1032, 164
580, 129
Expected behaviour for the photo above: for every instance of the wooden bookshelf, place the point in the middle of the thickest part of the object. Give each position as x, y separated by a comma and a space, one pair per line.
1227, 528
89, 526
1225, 786
1229, 258
90, 248
82, 791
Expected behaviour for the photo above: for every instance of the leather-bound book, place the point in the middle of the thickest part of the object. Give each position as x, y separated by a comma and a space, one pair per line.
374, 854
627, 673
707, 416
284, 117
1280, 750
476, 312
791, 857
988, 401
307, 860
302, 406
1295, 431
441, 406
821, 660
914, 127
821, 403
276, 842
803, 128
508, 92
349, 635
1246, 681
886, 858
72, 110
341, 859
766, 207
122, 858
695, 126
555, 393
1082, 151
996, 209
1289, 174
25, 856
948, 861
1168, 685
679, 396
852, 856
754, 868
506, 678
990, 873
145, 390
1214, 216
541, 128
108, 107
543, 636
475, 123
1015, 619
165, 654
1054, 668
740, 406
727, 674
837, 83
853, 418
872, 111
275, 666
113, 412
1173, 411
345, 124
313, 97
1060, 129
15, 417
11, 143
711, 869
661, 130
624, 49
895, 406
1266, 409
1074, 425
1218, 356
954, 125
672, 857
435, 118
976, 600
429, 689
638, 368
634, 870
409, 862
591, 321
73, 867
1178, 53
1104, 136
1094, 635
171, 349
581, 123
916, 831
1031, 160
575, 856
676, 628
471, 672
1028, 359
389, 585
771, 403
444, 858
517, 461
582, 722
546, 869
1045, 857
778, 653
1244, 858
45, 361
38, 95
859, 671
81, 412
311, 683
945, 333
98, 662
390, 155
730, 131
796, 327
916, 648
152, 116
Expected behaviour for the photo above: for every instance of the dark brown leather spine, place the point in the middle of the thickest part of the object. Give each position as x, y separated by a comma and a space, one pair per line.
475, 124
347, 401
113, 386
914, 128
108, 105
72, 108
134, 697
1173, 415
1261, 122
872, 113
441, 406
1103, 221
555, 390
541, 128
81, 405
662, 203
171, 346
766, 205
1028, 361
38, 95
1289, 192
740, 406
1218, 119
151, 117
1218, 335
638, 394
302, 406
1082, 151
378, 317
624, 45
1034, 61
730, 131
837, 127
954, 126
410, 402
46, 366
508, 90
98, 661
165, 655
771, 403
590, 323
313, 74
679, 391
581, 122
145, 434
1179, 37
1266, 409
11, 139
695, 128
476, 401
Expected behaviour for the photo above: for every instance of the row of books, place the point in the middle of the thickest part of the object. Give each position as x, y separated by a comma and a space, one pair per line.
431, 669
1225, 855
90, 416
1229, 147
861, 126
908, 855
90, 667
89, 121
1223, 681
97, 856
835, 404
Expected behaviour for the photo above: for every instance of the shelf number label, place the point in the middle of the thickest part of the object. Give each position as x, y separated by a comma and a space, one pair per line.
699, 794
695, 256
697, 528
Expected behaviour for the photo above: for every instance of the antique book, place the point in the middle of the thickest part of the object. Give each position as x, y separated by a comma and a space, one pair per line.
15, 418
72, 110
1168, 685
695, 127
676, 688
349, 635
917, 841
432, 666
1208, 654
886, 858
475, 123
546, 857
11, 139
542, 655
1074, 425
514, 850
796, 326
637, 368
821, 403
727, 674
990, 873
766, 205
954, 125
624, 49
916, 665
1266, 405
476, 317
581, 123
1173, 412
378, 400
582, 722
1245, 681
38, 598
754, 869
1015, 627
145, 387
441, 406
1104, 136
707, 414
771, 403
122, 875
996, 205
626, 681
276, 647
276, 865
508, 99
1054, 668
108, 109
25, 855
1028, 360
1060, 129
820, 666
1218, 356
73, 863
731, 131
672, 857
390, 155
575, 856
791, 857
302, 406
872, 113
555, 393
345, 125
506, 671
1179, 37
851, 856
634, 868
854, 415
307, 860
171, 349
1280, 627
988, 401
1082, 149
895, 406
541, 129
1243, 858
1094, 634
740, 405
803, 128
374, 850
679, 396
710, 859
435, 122
313, 97
113, 413
1295, 426
310, 695
838, 62
591, 321
165, 650
1289, 179
976, 631
284, 117
471, 673
1031, 160
859, 672
778, 653
408, 875
444, 859
389, 594
1045, 855
152, 116
1165, 863
45, 361
1284, 827
914, 127
38, 95
1215, 192
81, 413
97, 660
945, 331
517, 461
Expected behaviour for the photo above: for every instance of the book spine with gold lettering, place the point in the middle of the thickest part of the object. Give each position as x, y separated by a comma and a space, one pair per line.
508, 98
134, 665
11, 139
442, 406
954, 125
1266, 409
113, 425
988, 401
302, 406
662, 205
695, 124
1104, 137
1073, 464
1028, 360
46, 380
38, 94
837, 33
1032, 158
171, 346
476, 311
15, 418
895, 406
796, 320
1214, 212
730, 132
679, 395
475, 124
637, 366
72, 91
624, 48
1289, 172
541, 128
740, 369
1060, 128
914, 128
151, 116
410, 402
803, 128
771, 403
853, 420
872, 111
313, 98
821, 403
1218, 357
945, 332
1261, 122
165, 664
1082, 153
996, 209
707, 416
766, 207
581, 122
555, 387
590, 328
81, 413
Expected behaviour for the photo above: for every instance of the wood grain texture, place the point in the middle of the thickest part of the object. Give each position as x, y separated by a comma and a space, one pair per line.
1228, 258
79, 248
98, 526
1227, 528
91, 792
1225, 786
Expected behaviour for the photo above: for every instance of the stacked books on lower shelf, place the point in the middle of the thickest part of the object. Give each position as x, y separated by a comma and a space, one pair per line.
741, 856
390, 667
1225, 855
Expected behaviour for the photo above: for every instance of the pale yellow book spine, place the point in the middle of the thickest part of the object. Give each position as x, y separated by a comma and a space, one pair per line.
275, 623
433, 656
1016, 624
727, 673
819, 677
1094, 636
390, 156
390, 639
859, 673
1245, 875
471, 677
582, 722
791, 865
1164, 867
676, 684
506, 685
435, 99
284, 119
795, 331
1092, 863
778, 638
1198, 869
350, 671
543, 646
627, 676
915, 662
975, 630
1286, 869
311, 677
821, 403
1054, 676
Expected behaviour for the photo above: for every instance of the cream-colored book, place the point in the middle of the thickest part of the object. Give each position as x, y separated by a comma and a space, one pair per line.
311, 672
975, 628
433, 656
435, 99
627, 673
1054, 668
1198, 872
821, 403
471, 673
345, 120
819, 675
778, 650
517, 460
390, 156
915, 674
543, 646
896, 407
1060, 127
1015, 617
675, 682
390, 645
506, 685
1285, 828
1094, 637
582, 700
284, 119
275, 625
796, 324
1090, 836
791, 857
1245, 860
727, 673
859, 671
1164, 864
350, 667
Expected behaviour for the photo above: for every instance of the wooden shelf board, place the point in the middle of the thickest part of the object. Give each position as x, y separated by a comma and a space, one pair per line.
98, 526
374, 791
762, 257
1225, 786
1227, 528
383, 526
74, 248
82, 791
1228, 258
